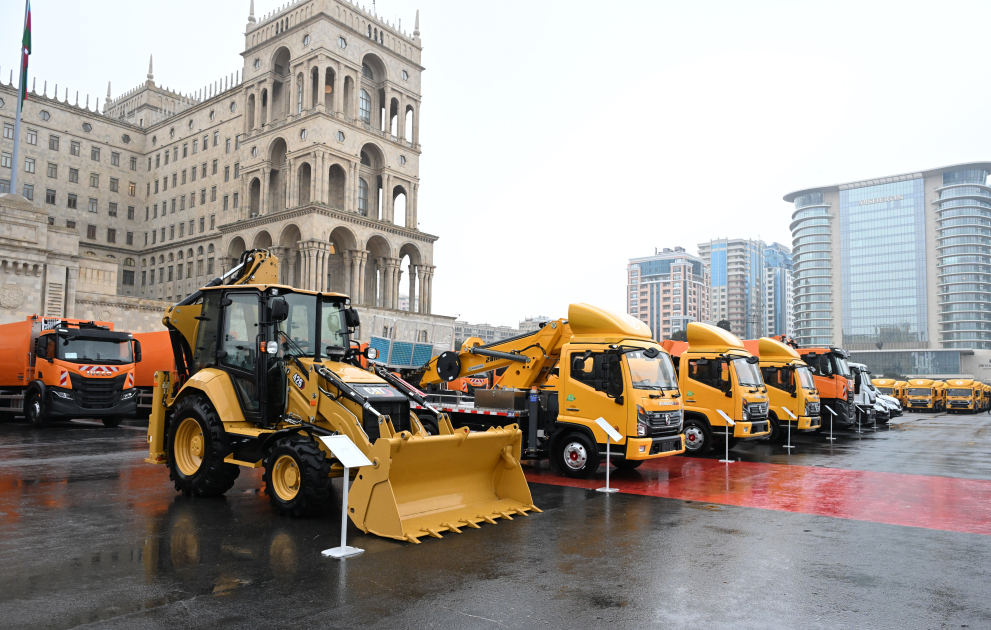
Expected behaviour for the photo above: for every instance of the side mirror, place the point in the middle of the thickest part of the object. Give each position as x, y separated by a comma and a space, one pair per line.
41, 347
579, 364
137, 351
371, 353
614, 376
651, 353
752, 360
351, 319
279, 308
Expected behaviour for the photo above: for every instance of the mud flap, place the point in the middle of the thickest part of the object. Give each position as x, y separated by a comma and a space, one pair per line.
424, 485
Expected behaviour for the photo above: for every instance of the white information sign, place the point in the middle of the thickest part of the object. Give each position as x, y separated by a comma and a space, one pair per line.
790, 414
728, 420
345, 450
610, 431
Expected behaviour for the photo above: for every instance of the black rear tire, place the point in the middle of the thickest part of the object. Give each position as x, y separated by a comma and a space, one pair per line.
698, 437
310, 469
111, 422
776, 433
576, 456
213, 477
34, 411
627, 464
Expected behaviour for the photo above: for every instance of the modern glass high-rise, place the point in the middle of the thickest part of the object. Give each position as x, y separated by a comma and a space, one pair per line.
895, 262
778, 305
737, 293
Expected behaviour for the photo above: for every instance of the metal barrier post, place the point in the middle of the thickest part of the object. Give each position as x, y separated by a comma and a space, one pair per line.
789, 444
833, 414
729, 423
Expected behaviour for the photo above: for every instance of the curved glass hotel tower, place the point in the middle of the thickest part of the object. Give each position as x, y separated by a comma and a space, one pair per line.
901, 262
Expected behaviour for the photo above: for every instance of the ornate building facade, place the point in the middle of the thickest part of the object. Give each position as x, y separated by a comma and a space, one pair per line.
311, 149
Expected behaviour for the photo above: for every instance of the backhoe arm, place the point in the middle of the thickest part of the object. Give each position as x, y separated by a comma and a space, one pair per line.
528, 358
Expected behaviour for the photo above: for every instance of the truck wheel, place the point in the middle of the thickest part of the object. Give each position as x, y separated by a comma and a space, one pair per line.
112, 421
577, 456
197, 447
297, 476
33, 410
627, 464
776, 433
430, 426
698, 437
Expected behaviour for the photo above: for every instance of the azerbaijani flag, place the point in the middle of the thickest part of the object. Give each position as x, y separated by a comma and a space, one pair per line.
25, 51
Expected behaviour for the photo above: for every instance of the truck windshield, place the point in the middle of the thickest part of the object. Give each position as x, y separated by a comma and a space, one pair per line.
301, 324
747, 374
958, 392
83, 350
919, 391
842, 367
805, 378
647, 373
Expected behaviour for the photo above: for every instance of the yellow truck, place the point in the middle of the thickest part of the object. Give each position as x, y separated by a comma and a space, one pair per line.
716, 373
789, 386
920, 395
940, 400
963, 395
887, 386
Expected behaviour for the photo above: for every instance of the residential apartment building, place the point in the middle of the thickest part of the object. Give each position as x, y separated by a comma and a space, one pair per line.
311, 149
486, 332
895, 262
778, 301
737, 294
668, 290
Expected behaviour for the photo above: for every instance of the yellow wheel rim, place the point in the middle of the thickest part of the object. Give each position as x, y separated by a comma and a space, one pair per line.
189, 446
285, 478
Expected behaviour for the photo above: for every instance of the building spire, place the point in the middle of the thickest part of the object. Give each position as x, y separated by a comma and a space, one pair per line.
151, 73
251, 12
416, 25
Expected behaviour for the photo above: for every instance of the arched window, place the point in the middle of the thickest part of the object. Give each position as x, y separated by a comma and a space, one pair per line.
209, 248
362, 196
180, 254
366, 71
171, 258
299, 93
423, 336
199, 250
366, 107
128, 262
144, 262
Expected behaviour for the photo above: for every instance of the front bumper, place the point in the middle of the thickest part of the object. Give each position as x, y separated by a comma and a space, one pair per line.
60, 407
652, 448
809, 423
749, 429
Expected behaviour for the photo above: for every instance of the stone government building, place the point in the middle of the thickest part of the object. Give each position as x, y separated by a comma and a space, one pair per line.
312, 150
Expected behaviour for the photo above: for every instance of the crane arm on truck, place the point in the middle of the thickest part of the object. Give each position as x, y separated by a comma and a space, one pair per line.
528, 359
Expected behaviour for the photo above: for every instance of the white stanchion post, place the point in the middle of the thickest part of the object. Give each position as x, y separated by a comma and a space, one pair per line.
729, 423
610, 433
830, 438
859, 414
789, 444
350, 457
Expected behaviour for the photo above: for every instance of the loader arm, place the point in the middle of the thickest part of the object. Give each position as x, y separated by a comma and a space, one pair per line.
528, 358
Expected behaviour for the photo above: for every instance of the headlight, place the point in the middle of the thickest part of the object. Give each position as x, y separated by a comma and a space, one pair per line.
128, 395
62, 395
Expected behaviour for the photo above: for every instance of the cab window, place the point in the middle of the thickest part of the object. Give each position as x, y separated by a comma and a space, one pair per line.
713, 373
590, 369
779, 378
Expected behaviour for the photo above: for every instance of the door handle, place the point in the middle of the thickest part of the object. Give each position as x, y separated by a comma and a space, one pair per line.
573, 409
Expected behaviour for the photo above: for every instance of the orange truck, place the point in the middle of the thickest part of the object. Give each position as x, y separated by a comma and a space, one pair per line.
833, 379
59, 369
156, 356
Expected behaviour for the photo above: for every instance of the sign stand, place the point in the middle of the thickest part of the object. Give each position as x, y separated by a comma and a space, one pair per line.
350, 457
611, 433
729, 423
830, 438
859, 414
789, 444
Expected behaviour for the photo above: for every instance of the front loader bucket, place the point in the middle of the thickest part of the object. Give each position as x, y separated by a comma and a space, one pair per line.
423, 485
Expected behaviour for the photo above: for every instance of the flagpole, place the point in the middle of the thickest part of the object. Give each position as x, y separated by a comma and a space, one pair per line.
21, 81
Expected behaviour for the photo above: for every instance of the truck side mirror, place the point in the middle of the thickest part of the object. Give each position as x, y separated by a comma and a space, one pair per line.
351, 319
279, 308
651, 353
137, 351
614, 376
41, 347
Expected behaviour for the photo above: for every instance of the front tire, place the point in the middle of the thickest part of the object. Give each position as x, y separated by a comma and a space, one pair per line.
33, 410
698, 437
297, 476
197, 447
776, 432
577, 456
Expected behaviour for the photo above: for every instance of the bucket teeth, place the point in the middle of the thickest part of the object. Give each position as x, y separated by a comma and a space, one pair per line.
434, 533
413, 539
452, 528
534, 508
505, 516
487, 518
471, 524
521, 512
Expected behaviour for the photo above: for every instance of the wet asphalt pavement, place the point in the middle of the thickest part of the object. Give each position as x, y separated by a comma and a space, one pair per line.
91, 535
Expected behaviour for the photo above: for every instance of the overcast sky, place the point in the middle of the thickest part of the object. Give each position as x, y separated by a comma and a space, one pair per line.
561, 139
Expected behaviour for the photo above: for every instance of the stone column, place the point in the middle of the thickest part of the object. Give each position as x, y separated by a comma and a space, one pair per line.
401, 118
290, 179
280, 253
412, 287
321, 178
324, 258
354, 187
356, 97
362, 260
421, 272
321, 84
416, 123
264, 193
268, 108
307, 87
291, 83
70, 291
411, 206
429, 290
290, 265
258, 108
387, 197
313, 177
339, 88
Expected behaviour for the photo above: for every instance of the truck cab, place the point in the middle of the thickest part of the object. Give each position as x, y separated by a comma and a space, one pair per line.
790, 386
963, 395
920, 395
940, 395
717, 373
863, 394
833, 379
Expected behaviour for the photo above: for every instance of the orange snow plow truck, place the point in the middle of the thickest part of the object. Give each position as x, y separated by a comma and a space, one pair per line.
59, 369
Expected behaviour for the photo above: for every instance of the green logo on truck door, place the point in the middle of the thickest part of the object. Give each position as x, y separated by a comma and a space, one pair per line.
691, 393
571, 397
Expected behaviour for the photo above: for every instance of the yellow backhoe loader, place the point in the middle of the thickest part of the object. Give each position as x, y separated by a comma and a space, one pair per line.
263, 370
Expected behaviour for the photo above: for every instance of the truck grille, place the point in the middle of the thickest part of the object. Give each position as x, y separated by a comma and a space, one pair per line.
96, 393
959, 403
812, 409
757, 410
664, 422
